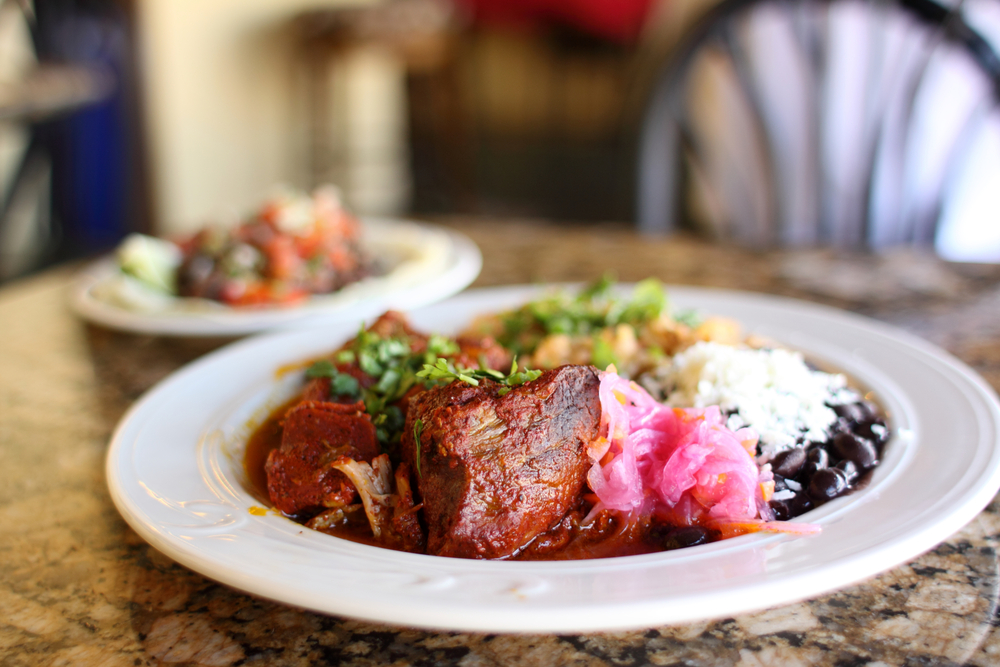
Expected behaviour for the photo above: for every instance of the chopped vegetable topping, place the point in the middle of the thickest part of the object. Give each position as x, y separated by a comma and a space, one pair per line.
418, 429
396, 367
294, 245
603, 326
341, 384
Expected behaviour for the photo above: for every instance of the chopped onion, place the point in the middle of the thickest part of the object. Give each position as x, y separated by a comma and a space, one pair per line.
683, 465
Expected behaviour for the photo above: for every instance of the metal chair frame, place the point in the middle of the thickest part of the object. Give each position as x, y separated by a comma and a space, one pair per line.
665, 134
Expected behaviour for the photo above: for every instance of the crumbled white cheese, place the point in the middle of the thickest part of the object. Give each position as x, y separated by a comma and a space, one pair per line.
772, 391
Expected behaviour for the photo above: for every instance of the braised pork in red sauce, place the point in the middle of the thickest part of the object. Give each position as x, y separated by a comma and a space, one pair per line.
499, 469
493, 471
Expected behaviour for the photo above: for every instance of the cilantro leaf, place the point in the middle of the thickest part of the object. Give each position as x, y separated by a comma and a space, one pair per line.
321, 369
444, 371
341, 384
689, 317
418, 429
603, 354
593, 308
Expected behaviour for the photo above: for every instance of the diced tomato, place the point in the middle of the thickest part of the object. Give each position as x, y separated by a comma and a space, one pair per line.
317, 258
342, 259
307, 246
283, 262
262, 293
269, 213
233, 291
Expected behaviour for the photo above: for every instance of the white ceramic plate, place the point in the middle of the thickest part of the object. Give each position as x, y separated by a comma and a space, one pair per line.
426, 264
174, 470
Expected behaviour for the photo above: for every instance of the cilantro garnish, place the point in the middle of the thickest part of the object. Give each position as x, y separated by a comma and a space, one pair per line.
602, 354
444, 371
396, 368
689, 317
393, 365
594, 308
341, 384
440, 346
418, 429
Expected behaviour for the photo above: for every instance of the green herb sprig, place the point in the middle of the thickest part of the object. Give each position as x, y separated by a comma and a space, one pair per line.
341, 384
418, 429
444, 371
395, 367
594, 308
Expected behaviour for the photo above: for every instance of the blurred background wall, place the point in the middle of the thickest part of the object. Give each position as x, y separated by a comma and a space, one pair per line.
162, 115
198, 108
423, 106
71, 175
224, 116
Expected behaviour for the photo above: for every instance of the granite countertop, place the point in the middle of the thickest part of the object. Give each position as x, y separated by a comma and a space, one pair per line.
79, 587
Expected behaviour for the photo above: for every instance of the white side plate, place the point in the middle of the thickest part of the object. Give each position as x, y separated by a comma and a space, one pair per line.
426, 264
175, 472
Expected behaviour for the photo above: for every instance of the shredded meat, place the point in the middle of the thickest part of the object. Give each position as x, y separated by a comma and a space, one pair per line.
390, 511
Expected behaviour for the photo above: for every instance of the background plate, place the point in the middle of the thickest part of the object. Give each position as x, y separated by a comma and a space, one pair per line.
174, 471
428, 263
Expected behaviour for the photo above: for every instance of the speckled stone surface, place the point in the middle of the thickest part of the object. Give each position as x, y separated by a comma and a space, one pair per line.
78, 587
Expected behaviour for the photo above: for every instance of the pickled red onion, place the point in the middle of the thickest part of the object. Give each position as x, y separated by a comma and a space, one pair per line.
682, 464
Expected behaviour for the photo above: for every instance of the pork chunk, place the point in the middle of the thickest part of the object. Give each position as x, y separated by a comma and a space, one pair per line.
301, 479
494, 472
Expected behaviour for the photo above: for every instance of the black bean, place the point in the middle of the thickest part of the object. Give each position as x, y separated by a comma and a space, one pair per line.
855, 448
852, 412
876, 431
779, 483
197, 268
789, 462
800, 504
780, 509
849, 469
871, 411
685, 536
816, 459
827, 484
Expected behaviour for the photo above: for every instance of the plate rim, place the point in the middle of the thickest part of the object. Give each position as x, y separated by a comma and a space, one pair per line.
535, 617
